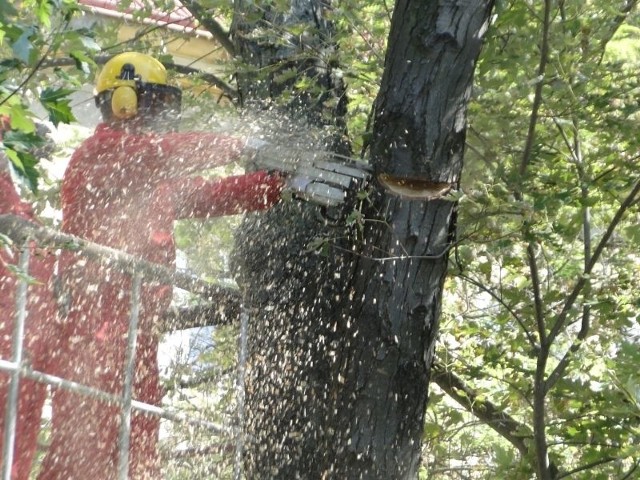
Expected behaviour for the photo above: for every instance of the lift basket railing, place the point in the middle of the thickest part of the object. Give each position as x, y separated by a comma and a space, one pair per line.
22, 232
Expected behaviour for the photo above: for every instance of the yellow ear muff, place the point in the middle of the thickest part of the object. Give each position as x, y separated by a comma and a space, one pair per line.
124, 102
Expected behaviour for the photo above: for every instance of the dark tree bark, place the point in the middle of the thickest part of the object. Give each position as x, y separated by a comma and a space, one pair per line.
262, 43
419, 135
341, 343
289, 290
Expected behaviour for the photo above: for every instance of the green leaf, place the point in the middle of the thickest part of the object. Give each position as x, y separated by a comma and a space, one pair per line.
504, 456
57, 104
633, 232
90, 44
21, 140
24, 163
432, 430
22, 275
83, 61
21, 121
43, 12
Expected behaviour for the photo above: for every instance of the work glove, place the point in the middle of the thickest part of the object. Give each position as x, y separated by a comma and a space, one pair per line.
316, 176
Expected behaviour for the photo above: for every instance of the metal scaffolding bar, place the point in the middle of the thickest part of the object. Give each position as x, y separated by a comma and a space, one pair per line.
129, 369
240, 394
59, 382
18, 229
23, 231
11, 414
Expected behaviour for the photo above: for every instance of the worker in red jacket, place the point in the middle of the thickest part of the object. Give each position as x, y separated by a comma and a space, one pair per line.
37, 347
123, 188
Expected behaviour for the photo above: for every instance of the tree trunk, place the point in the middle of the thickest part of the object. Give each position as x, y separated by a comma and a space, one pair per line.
341, 342
419, 135
260, 41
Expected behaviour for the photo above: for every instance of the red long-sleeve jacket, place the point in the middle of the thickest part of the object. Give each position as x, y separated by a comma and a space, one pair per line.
41, 264
125, 191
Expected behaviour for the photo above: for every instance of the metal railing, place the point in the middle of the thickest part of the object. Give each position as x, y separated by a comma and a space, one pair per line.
23, 232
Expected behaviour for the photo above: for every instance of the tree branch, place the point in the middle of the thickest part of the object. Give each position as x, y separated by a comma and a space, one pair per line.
203, 377
32, 72
223, 310
631, 471
210, 24
227, 89
543, 466
537, 296
588, 466
539, 415
484, 410
537, 98
576, 153
626, 9
501, 301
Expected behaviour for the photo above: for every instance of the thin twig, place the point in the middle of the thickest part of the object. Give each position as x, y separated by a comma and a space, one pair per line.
618, 21
580, 284
537, 295
500, 300
210, 24
101, 59
33, 71
537, 98
543, 465
588, 466
632, 471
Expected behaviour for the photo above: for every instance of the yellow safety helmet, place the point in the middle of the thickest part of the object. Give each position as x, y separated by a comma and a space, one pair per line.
132, 83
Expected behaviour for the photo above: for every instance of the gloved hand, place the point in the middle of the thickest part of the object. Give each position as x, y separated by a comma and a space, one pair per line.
255, 144
325, 183
263, 155
314, 190
316, 176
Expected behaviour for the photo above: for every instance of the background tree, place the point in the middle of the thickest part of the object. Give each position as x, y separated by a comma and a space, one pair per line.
546, 312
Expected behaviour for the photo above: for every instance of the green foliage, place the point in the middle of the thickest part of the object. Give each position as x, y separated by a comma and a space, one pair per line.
557, 204
31, 33
56, 102
19, 146
363, 28
202, 385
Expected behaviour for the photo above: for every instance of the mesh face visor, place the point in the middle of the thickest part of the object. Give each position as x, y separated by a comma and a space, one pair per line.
159, 100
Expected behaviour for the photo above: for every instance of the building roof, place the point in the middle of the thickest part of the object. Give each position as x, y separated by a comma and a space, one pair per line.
178, 19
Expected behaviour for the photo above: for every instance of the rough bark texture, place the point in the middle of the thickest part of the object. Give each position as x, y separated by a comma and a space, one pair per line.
293, 296
289, 289
341, 344
419, 133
